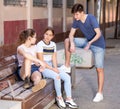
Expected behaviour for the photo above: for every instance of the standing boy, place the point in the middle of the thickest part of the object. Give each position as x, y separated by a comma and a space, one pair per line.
93, 40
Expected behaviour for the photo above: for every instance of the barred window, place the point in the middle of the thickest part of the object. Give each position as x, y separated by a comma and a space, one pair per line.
15, 2
70, 3
57, 3
38, 3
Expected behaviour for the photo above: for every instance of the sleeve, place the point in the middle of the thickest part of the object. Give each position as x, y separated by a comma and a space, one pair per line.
55, 47
94, 21
35, 48
74, 24
39, 47
20, 48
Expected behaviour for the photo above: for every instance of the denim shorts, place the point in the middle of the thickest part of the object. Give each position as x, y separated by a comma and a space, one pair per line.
33, 69
98, 52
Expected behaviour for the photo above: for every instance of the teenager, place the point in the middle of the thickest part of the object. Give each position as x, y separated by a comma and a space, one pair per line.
29, 66
93, 40
47, 52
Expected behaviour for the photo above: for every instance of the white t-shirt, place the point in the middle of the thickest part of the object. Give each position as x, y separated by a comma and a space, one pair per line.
31, 50
47, 50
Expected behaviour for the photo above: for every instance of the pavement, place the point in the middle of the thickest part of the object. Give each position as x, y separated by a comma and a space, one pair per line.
86, 79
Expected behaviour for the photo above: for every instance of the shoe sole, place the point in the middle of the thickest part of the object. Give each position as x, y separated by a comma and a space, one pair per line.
27, 86
97, 101
71, 106
61, 107
39, 86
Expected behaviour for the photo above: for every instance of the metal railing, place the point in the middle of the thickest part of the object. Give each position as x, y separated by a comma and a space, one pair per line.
70, 3
15, 2
57, 3
39, 3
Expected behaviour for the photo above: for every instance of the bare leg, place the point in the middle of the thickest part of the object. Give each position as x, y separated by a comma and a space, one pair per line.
67, 52
25, 69
36, 77
100, 73
39, 83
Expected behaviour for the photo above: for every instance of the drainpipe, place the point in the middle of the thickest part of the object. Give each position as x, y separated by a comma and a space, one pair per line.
104, 18
29, 13
64, 15
98, 10
50, 12
116, 20
1, 23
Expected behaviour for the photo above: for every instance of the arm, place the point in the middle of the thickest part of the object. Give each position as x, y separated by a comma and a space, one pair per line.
54, 60
40, 57
97, 36
30, 57
71, 37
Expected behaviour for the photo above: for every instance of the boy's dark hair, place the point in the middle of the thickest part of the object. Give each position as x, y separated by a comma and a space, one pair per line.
77, 8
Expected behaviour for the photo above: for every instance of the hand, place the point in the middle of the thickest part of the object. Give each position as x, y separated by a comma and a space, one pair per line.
41, 69
72, 47
43, 65
37, 64
55, 70
87, 46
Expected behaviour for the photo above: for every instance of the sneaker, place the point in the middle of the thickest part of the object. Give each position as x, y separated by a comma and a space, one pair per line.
66, 69
60, 102
27, 83
98, 97
71, 104
39, 86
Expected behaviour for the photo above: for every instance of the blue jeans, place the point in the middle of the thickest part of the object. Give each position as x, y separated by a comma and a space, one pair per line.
97, 51
47, 73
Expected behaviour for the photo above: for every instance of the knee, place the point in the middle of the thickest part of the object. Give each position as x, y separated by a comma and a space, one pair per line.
66, 41
100, 70
68, 79
36, 79
58, 77
27, 61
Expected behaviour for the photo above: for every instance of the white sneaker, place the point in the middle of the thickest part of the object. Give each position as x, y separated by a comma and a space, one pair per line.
66, 69
71, 104
98, 97
60, 102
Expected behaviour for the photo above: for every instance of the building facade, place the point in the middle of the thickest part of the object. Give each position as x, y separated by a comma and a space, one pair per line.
16, 15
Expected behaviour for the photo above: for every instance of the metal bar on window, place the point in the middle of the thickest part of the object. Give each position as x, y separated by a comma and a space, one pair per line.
70, 3
39, 3
57, 3
15, 2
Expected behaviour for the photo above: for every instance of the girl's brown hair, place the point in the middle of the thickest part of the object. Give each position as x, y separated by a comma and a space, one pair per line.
51, 29
25, 34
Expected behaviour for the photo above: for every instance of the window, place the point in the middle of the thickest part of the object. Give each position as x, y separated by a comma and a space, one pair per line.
70, 3
15, 2
57, 3
38, 3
